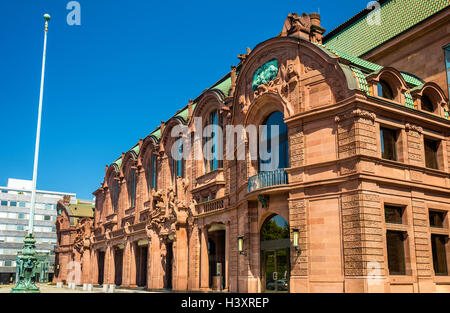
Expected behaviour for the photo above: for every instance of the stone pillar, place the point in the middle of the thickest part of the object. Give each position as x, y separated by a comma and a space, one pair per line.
126, 265
93, 279
86, 264
227, 255
133, 264
204, 259
180, 269
109, 266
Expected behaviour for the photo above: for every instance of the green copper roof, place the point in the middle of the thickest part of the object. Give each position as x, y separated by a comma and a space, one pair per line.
224, 86
156, 133
397, 16
412, 80
183, 114
409, 102
135, 149
118, 162
361, 80
368, 66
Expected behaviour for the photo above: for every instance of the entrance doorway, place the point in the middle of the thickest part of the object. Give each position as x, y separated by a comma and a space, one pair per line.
275, 264
101, 266
216, 256
118, 263
141, 265
169, 261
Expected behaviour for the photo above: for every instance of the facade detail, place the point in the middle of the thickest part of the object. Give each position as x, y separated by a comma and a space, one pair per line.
362, 185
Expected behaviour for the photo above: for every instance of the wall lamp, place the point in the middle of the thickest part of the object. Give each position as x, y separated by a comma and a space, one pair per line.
295, 240
240, 242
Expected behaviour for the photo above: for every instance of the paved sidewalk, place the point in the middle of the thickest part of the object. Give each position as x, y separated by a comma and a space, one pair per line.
45, 288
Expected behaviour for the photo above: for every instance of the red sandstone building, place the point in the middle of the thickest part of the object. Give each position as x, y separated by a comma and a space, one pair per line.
359, 201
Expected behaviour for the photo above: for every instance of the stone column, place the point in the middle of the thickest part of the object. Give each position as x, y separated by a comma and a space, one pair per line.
181, 260
126, 265
93, 279
109, 266
86, 264
133, 264
226, 275
149, 263
204, 260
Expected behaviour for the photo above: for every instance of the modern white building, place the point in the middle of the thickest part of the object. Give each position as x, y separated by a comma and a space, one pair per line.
15, 200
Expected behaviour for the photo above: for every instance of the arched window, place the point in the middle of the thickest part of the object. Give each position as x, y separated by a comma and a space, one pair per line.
384, 90
132, 187
215, 162
274, 247
115, 194
178, 165
154, 179
427, 105
279, 156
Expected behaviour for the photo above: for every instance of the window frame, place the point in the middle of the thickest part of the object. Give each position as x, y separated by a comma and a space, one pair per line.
436, 153
396, 144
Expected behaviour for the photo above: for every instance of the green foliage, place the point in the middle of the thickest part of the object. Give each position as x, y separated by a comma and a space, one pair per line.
272, 231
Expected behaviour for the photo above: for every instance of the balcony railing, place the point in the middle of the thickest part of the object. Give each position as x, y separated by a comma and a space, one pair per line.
267, 179
211, 206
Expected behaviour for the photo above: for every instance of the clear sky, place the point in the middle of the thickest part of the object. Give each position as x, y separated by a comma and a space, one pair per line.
110, 81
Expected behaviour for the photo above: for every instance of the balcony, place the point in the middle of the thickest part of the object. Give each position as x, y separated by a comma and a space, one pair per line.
211, 206
267, 179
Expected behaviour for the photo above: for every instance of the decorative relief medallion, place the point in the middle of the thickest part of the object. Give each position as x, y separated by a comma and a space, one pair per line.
264, 74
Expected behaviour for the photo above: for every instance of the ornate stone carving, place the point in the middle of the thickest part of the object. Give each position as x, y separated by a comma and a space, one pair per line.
356, 113
413, 127
244, 56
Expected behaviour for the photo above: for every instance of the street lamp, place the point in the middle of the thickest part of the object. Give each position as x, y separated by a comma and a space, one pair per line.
240, 242
27, 262
295, 240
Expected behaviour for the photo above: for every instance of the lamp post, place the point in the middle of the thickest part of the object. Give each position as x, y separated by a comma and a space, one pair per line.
27, 262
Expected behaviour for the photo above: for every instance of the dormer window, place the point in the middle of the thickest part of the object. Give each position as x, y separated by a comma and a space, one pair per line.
384, 90
427, 105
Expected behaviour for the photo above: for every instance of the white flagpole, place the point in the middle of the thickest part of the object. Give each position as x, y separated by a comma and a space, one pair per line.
38, 132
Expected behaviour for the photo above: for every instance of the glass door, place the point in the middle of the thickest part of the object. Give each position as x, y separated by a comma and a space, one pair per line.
276, 270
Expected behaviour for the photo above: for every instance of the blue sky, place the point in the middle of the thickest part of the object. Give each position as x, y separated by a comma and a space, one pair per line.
110, 81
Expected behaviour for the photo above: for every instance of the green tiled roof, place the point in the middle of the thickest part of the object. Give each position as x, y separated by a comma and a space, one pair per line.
135, 149
397, 16
409, 102
361, 80
224, 86
118, 162
156, 133
368, 66
412, 80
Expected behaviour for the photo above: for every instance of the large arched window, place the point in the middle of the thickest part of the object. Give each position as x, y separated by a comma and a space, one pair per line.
154, 180
278, 155
215, 162
115, 194
178, 164
131, 181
